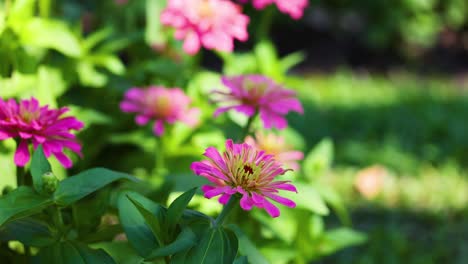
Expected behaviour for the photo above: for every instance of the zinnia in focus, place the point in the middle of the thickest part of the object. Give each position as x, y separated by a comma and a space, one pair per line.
245, 170
160, 104
213, 24
294, 8
251, 93
28, 122
276, 145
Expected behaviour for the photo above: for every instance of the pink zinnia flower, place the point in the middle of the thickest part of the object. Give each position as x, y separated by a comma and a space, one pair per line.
243, 169
251, 93
276, 146
213, 24
294, 8
28, 122
160, 104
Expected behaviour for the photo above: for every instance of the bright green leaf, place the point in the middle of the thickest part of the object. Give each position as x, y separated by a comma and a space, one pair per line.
39, 166
307, 198
153, 221
78, 186
176, 209
319, 159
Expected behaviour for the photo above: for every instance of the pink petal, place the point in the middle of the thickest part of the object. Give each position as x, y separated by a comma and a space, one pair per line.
271, 209
191, 43
22, 155
64, 160
281, 200
158, 128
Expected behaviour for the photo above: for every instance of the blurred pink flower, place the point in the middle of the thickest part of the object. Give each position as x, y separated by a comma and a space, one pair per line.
27, 122
276, 146
251, 93
160, 104
294, 8
213, 24
243, 169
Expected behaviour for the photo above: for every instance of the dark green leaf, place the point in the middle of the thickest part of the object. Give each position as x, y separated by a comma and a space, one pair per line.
176, 209
29, 231
39, 166
246, 247
217, 245
73, 252
153, 221
185, 240
21, 202
76, 187
241, 260
138, 233
121, 252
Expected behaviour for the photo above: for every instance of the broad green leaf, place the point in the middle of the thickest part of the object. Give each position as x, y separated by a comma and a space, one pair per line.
176, 209
29, 231
154, 32
39, 166
96, 37
21, 202
89, 76
307, 198
108, 61
241, 260
73, 252
247, 247
121, 252
59, 36
20, 12
185, 240
318, 161
138, 232
217, 245
267, 59
78, 186
154, 222
335, 201
339, 238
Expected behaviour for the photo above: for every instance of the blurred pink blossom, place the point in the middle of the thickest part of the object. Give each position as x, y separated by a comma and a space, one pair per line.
294, 8
160, 104
245, 170
213, 24
251, 93
28, 122
276, 145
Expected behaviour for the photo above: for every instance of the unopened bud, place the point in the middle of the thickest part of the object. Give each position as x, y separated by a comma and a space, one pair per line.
50, 182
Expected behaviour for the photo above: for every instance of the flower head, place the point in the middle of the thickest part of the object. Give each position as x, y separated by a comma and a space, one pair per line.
213, 24
294, 8
251, 93
160, 104
245, 170
28, 122
276, 146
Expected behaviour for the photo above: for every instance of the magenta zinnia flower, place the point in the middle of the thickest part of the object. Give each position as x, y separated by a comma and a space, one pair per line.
160, 104
294, 8
213, 24
276, 146
27, 122
243, 169
251, 93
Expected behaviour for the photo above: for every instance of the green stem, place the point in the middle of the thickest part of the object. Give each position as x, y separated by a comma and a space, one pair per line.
247, 127
20, 176
160, 166
266, 20
57, 218
226, 210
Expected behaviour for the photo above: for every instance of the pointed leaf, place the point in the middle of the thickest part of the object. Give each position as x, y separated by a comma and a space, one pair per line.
73, 252
76, 187
39, 166
29, 231
21, 202
319, 159
176, 209
247, 248
184, 240
241, 260
153, 221
138, 232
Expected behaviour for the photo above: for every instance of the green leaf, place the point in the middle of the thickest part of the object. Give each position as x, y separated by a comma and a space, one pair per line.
51, 34
319, 159
21, 202
241, 260
339, 238
73, 252
121, 252
336, 203
185, 240
153, 221
154, 32
29, 231
78, 186
307, 197
176, 209
217, 245
267, 59
247, 247
291, 60
138, 233
39, 166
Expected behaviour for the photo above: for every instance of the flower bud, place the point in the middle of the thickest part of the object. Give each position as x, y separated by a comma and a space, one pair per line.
50, 182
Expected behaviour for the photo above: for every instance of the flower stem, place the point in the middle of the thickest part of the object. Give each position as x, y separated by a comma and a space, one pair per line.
247, 127
226, 210
20, 176
160, 166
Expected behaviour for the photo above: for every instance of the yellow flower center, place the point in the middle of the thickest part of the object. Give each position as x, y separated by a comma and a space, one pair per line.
205, 10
